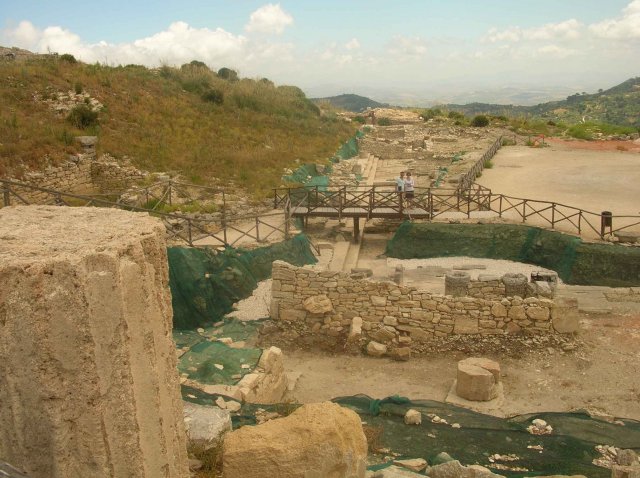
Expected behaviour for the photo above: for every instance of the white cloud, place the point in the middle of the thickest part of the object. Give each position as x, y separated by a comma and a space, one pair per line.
511, 34
352, 44
180, 43
555, 51
567, 30
406, 48
627, 26
269, 19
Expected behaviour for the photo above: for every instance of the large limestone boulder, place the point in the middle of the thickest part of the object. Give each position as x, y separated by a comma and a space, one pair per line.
87, 362
319, 439
478, 379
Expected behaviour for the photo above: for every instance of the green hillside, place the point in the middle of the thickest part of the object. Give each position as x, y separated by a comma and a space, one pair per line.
191, 119
619, 105
350, 102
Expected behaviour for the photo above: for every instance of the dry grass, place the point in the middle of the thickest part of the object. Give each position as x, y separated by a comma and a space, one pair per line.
165, 121
373, 435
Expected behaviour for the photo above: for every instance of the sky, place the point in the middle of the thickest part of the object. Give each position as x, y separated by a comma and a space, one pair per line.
412, 49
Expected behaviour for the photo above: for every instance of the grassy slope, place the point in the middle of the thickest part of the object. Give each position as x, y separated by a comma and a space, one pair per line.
160, 120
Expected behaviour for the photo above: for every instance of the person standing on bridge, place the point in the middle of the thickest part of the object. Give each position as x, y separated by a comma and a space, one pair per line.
400, 183
409, 187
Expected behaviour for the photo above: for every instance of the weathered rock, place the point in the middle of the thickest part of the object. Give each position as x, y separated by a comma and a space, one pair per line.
205, 423
376, 349
456, 283
515, 284
564, 315
320, 439
401, 353
415, 464
538, 313
393, 471
318, 304
619, 471
86, 356
453, 469
355, 331
412, 417
627, 457
477, 379
383, 334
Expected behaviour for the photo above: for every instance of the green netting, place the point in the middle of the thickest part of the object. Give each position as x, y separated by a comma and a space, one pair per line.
348, 149
217, 363
205, 283
569, 449
575, 261
308, 174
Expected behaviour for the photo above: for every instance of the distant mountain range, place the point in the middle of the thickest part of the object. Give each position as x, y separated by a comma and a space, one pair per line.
350, 102
618, 105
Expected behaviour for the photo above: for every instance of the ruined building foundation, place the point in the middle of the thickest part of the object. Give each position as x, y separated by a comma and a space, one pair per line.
88, 378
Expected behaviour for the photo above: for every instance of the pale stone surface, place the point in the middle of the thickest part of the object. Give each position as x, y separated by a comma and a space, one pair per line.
564, 316
318, 304
206, 423
268, 383
356, 328
477, 379
376, 349
415, 464
412, 417
86, 354
319, 439
393, 471
454, 469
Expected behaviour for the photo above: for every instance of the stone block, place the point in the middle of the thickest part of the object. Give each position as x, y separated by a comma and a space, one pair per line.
376, 349
564, 316
292, 315
477, 379
318, 304
517, 312
465, 325
384, 334
378, 301
86, 356
538, 313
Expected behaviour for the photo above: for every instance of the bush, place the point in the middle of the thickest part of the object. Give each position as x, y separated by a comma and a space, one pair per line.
228, 74
480, 121
82, 117
78, 87
487, 164
454, 115
68, 58
359, 119
384, 122
213, 96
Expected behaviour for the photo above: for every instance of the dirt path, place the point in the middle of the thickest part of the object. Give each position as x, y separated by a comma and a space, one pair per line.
602, 375
592, 180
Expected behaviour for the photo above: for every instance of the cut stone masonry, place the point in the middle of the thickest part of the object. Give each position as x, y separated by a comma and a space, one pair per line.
396, 316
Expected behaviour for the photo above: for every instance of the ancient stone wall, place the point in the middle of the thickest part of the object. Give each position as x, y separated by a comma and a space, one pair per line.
327, 302
88, 377
84, 173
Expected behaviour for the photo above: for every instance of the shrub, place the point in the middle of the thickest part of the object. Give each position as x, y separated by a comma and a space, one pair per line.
213, 96
228, 74
487, 164
68, 58
480, 121
455, 115
384, 121
78, 87
359, 119
82, 117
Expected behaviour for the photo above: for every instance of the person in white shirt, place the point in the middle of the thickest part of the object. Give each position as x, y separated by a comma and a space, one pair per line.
409, 186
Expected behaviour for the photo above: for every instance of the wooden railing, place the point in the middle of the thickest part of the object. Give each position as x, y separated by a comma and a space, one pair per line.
470, 176
430, 203
225, 231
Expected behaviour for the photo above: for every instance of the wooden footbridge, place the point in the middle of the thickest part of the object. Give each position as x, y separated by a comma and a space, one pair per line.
430, 203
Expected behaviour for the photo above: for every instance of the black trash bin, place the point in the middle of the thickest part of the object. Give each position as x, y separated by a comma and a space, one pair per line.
606, 220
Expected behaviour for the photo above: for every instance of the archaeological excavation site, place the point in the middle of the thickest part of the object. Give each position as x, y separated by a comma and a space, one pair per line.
469, 322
